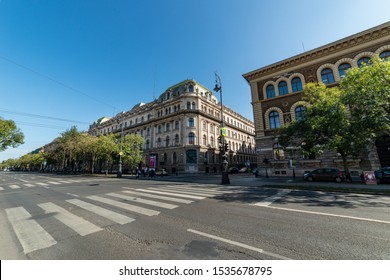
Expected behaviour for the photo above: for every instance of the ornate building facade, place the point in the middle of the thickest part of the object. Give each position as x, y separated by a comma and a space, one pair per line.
181, 130
276, 92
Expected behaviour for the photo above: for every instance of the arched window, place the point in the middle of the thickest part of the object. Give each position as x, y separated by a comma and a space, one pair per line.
343, 68
193, 107
270, 91
204, 140
176, 125
191, 138
191, 122
300, 113
191, 88
283, 89
167, 141
148, 131
165, 158
147, 144
212, 142
188, 105
167, 127
159, 142
176, 139
385, 55
274, 121
159, 129
363, 61
174, 158
327, 76
296, 84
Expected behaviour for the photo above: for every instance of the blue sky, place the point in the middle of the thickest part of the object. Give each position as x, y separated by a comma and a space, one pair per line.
80, 60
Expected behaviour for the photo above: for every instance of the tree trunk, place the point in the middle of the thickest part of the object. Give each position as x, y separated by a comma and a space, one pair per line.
348, 176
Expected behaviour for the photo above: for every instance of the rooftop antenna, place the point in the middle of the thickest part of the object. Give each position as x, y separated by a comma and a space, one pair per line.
303, 47
154, 82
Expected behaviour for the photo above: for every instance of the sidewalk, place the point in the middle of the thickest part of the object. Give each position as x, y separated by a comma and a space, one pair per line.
247, 180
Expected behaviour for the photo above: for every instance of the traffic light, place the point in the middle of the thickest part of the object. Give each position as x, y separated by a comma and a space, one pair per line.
219, 140
226, 146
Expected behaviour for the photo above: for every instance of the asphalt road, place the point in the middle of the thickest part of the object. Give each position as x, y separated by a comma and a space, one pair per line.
55, 217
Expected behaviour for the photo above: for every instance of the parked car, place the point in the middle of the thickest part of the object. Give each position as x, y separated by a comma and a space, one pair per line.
383, 175
243, 170
232, 170
161, 173
324, 174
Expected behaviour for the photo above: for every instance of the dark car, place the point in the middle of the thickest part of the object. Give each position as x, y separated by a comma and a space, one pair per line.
383, 175
233, 170
324, 174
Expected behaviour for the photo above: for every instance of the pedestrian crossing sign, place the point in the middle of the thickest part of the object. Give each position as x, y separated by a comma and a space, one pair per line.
223, 131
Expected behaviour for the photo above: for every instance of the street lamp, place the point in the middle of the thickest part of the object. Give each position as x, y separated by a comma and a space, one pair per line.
225, 175
119, 173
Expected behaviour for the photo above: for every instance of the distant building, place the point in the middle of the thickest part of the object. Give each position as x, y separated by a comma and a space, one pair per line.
276, 91
181, 130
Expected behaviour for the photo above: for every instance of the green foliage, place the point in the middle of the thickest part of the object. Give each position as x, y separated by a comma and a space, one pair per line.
132, 149
10, 135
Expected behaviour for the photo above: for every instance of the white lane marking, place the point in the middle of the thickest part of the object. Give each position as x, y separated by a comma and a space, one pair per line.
29, 185
172, 194
269, 200
64, 182
78, 224
14, 187
42, 184
54, 183
24, 181
173, 199
242, 245
108, 214
1, 189
144, 201
71, 194
30, 234
331, 215
126, 206
182, 191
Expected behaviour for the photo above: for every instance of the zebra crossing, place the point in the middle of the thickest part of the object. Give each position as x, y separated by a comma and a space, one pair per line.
90, 214
23, 185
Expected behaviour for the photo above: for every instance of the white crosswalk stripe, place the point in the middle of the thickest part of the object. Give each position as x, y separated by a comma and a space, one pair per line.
133, 208
14, 187
42, 184
30, 234
152, 190
167, 198
184, 192
268, 201
29, 185
198, 190
78, 224
108, 214
144, 201
1, 189
54, 183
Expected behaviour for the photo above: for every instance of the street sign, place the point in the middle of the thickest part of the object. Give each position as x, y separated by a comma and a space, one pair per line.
223, 131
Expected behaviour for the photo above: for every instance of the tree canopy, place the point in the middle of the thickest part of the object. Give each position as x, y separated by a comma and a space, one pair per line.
10, 135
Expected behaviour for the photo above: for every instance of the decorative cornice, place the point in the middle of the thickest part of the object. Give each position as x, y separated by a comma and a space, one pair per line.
335, 47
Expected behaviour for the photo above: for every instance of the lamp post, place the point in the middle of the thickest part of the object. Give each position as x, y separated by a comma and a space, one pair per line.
119, 173
225, 175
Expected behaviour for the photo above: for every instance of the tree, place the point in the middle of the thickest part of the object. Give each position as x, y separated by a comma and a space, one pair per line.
107, 148
366, 91
132, 149
10, 135
326, 126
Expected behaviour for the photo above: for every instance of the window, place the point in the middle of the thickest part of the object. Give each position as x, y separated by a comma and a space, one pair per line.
274, 121
300, 113
212, 128
385, 55
176, 139
204, 125
283, 89
296, 84
212, 142
147, 144
167, 141
363, 61
193, 106
204, 140
176, 125
343, 68
191, 122
270, 91
167, 127
148, 131
158, 142
174, 158
159, 129
188, 105
191, 88
191, 138
327, 76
